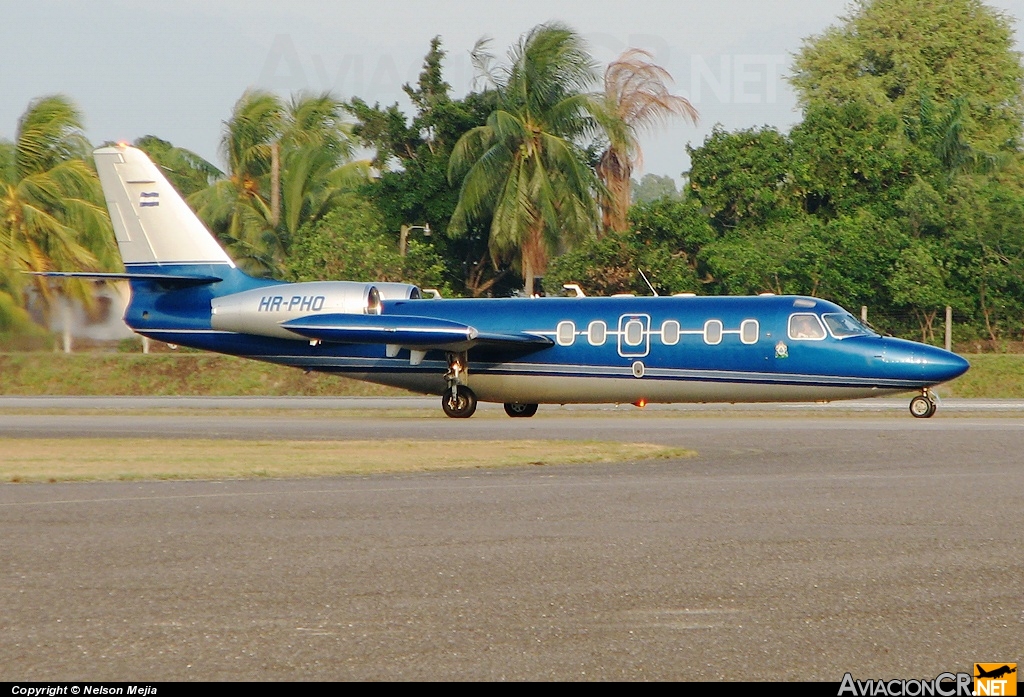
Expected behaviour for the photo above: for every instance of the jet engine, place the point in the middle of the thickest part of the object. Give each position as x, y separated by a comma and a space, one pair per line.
262, 310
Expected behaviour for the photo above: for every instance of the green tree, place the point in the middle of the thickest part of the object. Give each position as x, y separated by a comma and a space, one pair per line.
664, 240
903, 89
51, 208
983, 251
636, 97
853, 155
746, 178
412, 156
350, 243
651, 187
523, 169
890, 54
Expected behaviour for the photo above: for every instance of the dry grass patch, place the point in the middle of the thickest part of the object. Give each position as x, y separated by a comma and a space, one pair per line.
55, 459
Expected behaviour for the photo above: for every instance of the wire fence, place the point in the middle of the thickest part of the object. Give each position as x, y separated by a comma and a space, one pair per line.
943, 326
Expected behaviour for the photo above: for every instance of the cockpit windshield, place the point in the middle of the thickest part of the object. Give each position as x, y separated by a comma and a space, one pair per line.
843, 325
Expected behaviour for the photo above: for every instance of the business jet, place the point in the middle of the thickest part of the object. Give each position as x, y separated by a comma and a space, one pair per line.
521, 352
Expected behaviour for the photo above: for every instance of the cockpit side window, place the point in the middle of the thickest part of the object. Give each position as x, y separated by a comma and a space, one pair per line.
843, 325
805, 326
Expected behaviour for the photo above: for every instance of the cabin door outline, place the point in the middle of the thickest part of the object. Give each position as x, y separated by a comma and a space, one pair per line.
628, 332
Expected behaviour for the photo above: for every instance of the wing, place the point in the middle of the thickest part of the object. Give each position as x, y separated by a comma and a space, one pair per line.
416, 333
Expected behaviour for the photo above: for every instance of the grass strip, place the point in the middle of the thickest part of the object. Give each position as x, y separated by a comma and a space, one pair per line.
114, 459
183, 374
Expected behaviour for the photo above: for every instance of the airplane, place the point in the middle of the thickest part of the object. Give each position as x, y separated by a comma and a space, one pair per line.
994, 673
521, 352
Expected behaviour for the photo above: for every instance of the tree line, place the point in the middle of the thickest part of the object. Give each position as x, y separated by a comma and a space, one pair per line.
902, 187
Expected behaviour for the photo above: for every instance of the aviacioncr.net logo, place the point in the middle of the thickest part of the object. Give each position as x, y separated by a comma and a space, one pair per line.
943, 685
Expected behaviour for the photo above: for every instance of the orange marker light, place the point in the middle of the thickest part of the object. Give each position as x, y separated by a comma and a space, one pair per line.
640, 403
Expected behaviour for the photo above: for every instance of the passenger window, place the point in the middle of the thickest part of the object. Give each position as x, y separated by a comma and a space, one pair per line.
805, 326
565, 333
749, 331
670, 332
713, 332
596, 332
634, 332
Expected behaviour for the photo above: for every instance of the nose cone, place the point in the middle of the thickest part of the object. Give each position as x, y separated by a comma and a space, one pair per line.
920, 362
942, 366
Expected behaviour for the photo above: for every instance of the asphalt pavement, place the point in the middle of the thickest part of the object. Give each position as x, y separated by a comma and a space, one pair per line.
798, 544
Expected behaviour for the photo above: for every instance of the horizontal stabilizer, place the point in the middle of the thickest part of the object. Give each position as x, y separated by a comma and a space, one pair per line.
173, 279
407, 331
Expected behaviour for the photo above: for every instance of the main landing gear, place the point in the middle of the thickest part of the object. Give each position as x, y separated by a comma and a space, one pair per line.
458, 401
923, 406
520, 411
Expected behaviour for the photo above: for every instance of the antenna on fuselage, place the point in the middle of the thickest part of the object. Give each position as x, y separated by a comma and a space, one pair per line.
647, 282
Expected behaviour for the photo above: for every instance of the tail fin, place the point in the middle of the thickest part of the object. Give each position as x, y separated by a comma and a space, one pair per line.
153, 224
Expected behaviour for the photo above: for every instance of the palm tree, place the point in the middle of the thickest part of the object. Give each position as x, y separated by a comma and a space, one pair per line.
238, 208
523, 168
52, 215
635, 98
317, 167
287, 165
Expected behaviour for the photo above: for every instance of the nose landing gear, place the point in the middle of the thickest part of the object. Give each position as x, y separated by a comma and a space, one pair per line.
923, 406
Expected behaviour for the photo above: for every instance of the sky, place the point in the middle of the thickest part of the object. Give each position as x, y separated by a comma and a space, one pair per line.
175, 69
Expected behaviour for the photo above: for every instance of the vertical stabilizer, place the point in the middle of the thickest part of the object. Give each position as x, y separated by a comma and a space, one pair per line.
153, 224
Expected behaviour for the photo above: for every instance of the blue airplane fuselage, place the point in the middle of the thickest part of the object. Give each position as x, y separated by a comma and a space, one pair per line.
617, 349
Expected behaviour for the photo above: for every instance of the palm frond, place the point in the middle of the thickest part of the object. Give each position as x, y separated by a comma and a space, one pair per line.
636, 98
482, 60
49, 132
256, 123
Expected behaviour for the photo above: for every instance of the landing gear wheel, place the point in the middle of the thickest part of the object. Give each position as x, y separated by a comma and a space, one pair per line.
921, 407
517, 411
460, 405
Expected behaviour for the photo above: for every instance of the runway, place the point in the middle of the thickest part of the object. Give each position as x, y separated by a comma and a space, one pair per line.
799, 544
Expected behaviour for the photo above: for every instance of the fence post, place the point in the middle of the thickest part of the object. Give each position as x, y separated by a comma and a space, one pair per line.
66, 318
949, 328
864, 313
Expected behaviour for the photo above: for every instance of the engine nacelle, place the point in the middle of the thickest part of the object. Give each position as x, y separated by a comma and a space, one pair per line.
261, 311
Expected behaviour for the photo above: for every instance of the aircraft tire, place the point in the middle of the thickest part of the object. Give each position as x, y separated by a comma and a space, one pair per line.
462, 406
520, 411
922, 408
